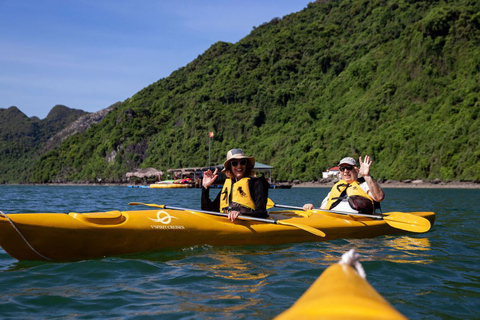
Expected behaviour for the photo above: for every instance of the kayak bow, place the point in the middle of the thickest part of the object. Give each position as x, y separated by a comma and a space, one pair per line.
341, 292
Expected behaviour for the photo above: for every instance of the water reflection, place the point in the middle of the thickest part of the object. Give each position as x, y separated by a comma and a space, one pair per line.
233, 266
398, 249
408, 243
408, 250
234, 280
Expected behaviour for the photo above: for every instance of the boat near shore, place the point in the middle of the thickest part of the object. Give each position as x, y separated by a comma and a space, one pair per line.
171, 184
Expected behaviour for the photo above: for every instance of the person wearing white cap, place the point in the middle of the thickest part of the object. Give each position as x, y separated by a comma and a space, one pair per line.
351, 193
242, 192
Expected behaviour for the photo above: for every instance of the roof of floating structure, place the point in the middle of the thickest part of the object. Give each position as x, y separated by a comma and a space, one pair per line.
258, 166
143, 173
261, 166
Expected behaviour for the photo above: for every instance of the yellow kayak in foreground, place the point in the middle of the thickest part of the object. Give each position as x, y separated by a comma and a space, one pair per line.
341, 292
78, 236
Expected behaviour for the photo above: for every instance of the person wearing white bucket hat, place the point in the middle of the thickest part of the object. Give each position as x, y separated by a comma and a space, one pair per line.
242, 192
351, 193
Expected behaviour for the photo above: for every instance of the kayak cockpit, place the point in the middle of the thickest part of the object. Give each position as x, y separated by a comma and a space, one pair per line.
103, 218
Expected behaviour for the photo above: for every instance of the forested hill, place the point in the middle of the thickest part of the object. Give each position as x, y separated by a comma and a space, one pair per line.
398, 80
21, 138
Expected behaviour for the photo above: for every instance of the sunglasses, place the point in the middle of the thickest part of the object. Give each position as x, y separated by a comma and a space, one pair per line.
242, 162
349, 168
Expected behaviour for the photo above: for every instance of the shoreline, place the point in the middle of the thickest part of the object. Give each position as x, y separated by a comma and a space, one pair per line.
393, 184
415, 184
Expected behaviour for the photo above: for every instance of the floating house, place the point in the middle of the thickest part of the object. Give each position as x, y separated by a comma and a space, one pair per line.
192, 177
333, 172
144, 174
196, 175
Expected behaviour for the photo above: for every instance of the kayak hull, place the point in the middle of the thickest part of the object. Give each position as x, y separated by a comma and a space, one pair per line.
78, 236
170, 186
340, 293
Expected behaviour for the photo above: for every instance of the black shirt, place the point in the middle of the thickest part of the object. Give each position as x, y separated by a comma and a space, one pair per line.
258, 190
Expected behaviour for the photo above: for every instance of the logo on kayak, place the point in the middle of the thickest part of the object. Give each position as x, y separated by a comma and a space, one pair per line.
165, 218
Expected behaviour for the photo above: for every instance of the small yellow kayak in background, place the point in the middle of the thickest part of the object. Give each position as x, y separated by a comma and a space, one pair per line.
169, 186
341, 292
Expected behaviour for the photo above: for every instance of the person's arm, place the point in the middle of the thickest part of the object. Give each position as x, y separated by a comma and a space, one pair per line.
209, 178
207, 204
375, 191
259, 191
207, 181
310, 206
324, 202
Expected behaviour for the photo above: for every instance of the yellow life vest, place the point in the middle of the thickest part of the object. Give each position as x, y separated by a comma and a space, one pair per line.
343, 189
238, 192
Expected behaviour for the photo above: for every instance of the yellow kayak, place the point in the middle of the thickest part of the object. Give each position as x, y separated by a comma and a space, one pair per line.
170, 185
78, 236
341, 292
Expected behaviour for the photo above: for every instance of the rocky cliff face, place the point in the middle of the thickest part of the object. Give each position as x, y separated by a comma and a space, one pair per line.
79, 125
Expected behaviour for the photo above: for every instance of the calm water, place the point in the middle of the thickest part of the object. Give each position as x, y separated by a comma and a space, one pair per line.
425, 276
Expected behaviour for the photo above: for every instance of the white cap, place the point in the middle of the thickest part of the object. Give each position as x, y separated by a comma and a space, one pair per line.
348, 160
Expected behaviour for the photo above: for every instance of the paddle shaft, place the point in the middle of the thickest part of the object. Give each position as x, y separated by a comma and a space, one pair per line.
399, 220
222, 214
332, 211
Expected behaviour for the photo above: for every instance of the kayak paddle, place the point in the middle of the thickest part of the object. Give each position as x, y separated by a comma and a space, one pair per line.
399, 220
279, 222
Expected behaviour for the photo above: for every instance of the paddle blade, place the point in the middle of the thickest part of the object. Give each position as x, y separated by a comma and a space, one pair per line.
147, 204
270, 203
303, 227
408, 222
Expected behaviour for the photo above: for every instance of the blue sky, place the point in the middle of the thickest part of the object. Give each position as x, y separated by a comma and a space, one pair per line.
89, 54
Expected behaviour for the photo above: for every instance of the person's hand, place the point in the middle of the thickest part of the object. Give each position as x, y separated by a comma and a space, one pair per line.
308, 206
365, 166
209, 178
232, 215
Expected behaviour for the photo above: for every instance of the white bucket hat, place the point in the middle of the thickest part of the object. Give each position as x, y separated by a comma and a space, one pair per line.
238, 154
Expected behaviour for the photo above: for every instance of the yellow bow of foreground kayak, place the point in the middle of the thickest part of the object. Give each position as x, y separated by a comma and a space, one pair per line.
341, 292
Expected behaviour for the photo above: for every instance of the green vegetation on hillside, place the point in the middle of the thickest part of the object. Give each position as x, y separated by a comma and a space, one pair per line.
398, 80
22, 138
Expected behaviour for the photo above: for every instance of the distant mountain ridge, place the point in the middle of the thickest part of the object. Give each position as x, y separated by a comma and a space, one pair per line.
24, 139
399, 81
14, 124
